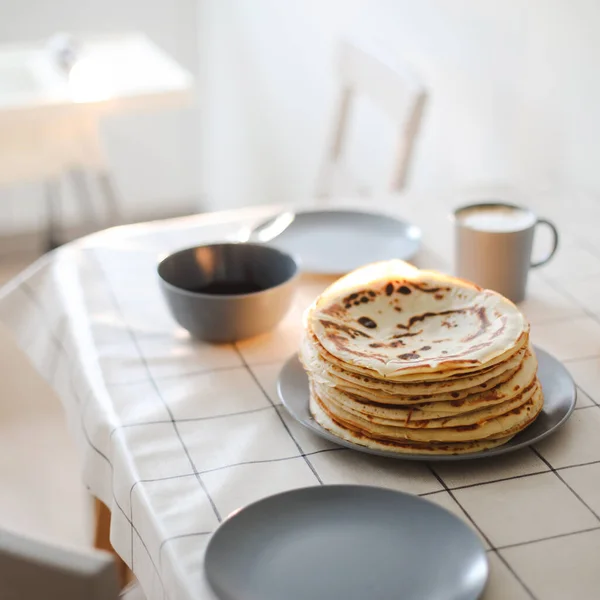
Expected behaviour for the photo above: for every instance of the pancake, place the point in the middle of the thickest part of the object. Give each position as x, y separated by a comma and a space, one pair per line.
363, 403
418, 362
395, 322
432, 449
383, 398
412, 419
449, 374
315, 364
512, 420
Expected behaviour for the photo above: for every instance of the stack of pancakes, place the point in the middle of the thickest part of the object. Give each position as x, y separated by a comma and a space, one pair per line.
418, 362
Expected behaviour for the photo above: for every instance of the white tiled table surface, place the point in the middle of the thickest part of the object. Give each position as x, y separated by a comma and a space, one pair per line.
175, 435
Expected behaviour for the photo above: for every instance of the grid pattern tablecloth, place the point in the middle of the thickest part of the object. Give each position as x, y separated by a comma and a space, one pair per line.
175, 435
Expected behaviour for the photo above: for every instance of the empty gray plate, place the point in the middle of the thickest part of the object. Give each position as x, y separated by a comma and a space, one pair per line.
333, 242
345, 542
559, 401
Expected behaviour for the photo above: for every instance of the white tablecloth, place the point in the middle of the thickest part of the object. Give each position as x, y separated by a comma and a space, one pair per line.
175, 434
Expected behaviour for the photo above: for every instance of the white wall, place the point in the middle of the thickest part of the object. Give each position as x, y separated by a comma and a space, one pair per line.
154, 156
514, 92
514, 95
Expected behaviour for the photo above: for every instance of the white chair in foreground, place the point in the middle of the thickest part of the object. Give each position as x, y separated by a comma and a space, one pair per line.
33, 570
395, 91
30, 569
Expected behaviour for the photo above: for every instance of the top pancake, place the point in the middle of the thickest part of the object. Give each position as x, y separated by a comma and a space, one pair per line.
397, 322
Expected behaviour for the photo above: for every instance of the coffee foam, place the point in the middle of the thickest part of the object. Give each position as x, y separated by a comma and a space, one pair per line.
496, 218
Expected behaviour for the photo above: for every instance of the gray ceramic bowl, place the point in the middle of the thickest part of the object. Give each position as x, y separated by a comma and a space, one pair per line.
228, 292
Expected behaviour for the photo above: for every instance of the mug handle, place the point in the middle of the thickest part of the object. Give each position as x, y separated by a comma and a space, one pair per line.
539, 263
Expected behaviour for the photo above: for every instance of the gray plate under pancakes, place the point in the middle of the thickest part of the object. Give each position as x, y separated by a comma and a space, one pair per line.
345, 542
333, 242
559, 401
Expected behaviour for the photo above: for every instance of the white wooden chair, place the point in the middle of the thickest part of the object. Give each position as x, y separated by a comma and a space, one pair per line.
34, 570
395, 91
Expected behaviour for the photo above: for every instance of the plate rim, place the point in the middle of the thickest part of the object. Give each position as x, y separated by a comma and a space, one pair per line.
493, 452
418, 240
352, 486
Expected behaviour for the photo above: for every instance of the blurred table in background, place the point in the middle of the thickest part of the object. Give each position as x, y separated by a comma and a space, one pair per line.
53, 95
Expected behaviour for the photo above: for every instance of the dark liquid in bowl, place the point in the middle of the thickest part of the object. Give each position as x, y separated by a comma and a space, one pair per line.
228, 288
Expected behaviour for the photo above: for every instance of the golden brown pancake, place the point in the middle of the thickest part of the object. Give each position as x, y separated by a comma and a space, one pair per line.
404, 324
449, 389
418, 362
493, 426
400, 447
416, 411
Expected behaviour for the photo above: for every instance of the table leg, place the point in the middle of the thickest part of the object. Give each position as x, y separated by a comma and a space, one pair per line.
84, 198
102, 541
53, 216
110, 197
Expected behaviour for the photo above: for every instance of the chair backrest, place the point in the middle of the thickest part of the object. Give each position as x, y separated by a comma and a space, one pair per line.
34, 570
390, 86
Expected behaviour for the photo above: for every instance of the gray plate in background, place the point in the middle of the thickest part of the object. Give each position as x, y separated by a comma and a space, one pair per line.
559, 402
334, 242
345, 542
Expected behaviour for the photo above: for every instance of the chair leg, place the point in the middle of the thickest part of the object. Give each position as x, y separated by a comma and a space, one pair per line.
82, 192
110, 197
102, 542
53, 213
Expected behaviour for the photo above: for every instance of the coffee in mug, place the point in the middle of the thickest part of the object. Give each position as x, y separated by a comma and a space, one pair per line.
493, 243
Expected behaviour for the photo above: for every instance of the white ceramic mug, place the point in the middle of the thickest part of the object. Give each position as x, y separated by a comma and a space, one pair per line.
493, 243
